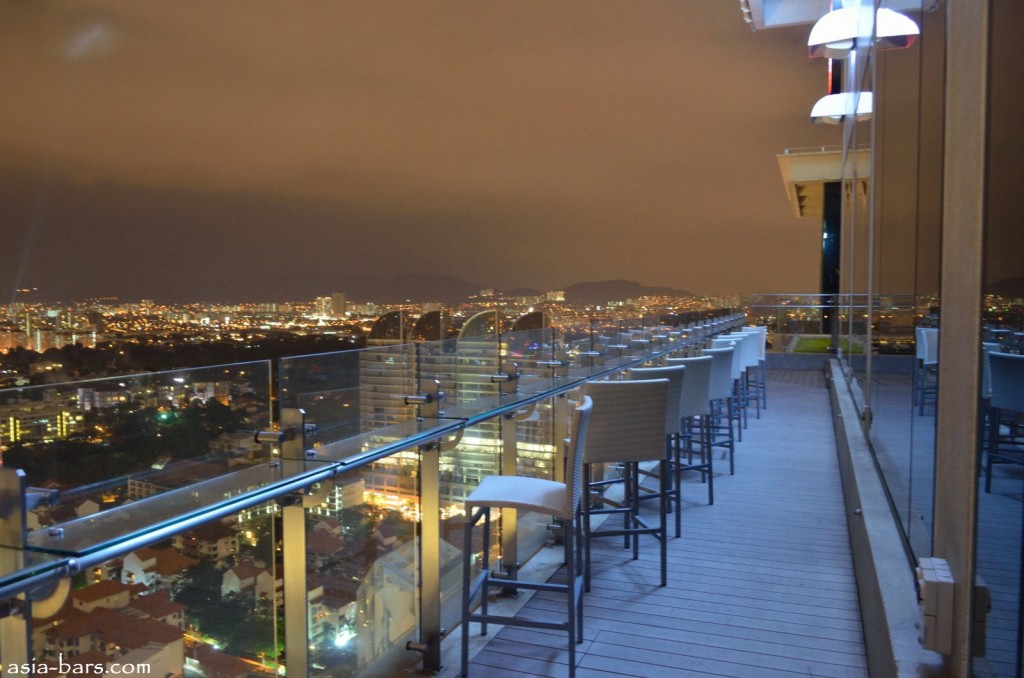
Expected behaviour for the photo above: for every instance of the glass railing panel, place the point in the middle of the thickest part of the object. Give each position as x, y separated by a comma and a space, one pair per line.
347, 393
477, 455
439, 368
104, 442
196, 601
379, 442
138, 519
582, 346
234, 592
902, 431
362, 557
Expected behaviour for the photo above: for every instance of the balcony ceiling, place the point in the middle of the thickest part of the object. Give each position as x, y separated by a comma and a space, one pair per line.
805, 173
775, 13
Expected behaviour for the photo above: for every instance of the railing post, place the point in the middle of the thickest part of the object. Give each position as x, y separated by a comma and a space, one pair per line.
428, 402
293, 539
15, 613
430, 557
509, 528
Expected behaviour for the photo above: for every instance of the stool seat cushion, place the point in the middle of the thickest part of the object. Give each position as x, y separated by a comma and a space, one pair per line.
521, 493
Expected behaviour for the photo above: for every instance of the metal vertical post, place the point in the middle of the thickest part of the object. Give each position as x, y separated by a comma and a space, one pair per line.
428, 401
293, 538
509, 467
430, 557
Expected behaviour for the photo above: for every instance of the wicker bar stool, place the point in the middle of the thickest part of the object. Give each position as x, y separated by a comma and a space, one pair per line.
926, 372
750, 358
761, 379
695, 409
739, 410
1006, 405
627, 427
722, 416
673, 431
559, 500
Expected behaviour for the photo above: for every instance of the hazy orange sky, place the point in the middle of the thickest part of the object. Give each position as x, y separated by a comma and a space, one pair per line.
250, 150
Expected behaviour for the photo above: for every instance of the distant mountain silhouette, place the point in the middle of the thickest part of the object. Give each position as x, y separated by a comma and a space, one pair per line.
384, 289
441, 288
522, 292
614, 290
276, 286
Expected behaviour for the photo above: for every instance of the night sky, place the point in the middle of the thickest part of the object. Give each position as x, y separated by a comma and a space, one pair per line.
233, 151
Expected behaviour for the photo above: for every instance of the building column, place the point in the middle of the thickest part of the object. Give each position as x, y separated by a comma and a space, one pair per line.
956, 453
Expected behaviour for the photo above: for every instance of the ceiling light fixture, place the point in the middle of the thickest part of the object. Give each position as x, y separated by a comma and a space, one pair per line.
835, 34
832, 109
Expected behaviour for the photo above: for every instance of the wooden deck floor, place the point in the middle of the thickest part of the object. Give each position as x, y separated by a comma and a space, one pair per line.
760, 584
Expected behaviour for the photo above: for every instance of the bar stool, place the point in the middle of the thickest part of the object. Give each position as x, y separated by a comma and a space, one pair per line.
761, 382
986, 369
673, 429
695, 410
1006, 405
736, 373
560, 500
627, 427
926, 350
722, 434
748, 357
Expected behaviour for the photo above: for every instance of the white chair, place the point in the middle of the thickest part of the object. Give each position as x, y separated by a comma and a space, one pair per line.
559, 500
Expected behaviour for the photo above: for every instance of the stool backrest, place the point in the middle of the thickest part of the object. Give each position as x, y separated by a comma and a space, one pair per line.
763, 343
628, 421
696, 396
986, 369
673, 406
736, 344
926, 346
721, 372
575, 447
1007, 375
748, 340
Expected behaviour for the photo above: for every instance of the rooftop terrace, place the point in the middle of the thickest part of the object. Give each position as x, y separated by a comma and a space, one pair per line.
761, 583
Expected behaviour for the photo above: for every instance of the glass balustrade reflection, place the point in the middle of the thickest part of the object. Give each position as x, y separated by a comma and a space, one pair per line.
362, 540
204, 600
477, 454
347, 393
100, 444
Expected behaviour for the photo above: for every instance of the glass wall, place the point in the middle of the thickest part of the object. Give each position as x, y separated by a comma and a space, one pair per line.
895, 258
901, 260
